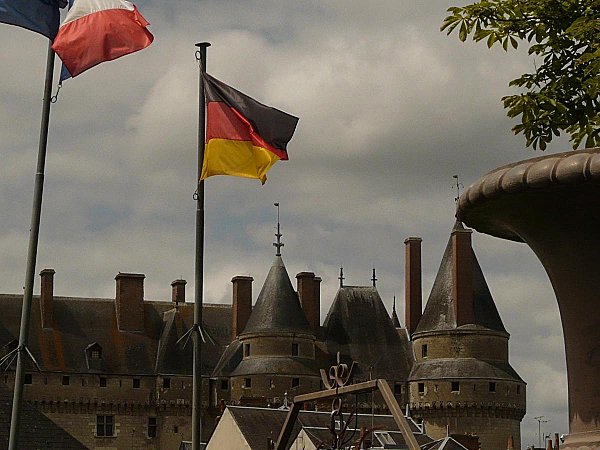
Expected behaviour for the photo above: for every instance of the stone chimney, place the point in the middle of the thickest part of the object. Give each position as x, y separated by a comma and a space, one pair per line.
310, 298
178, 291
549, 444
242, 304
462, 276
412, 285
556, 442
129, 301
47, 297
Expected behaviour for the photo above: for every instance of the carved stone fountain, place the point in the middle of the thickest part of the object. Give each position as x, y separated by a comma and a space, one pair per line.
552, 203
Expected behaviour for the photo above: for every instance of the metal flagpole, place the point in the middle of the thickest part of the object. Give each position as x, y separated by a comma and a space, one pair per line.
199, 273
31, 255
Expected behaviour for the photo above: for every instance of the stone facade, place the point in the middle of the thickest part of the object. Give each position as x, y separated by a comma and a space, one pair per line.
114, 375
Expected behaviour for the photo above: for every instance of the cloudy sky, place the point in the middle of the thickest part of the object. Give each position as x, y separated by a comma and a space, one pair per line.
390, 109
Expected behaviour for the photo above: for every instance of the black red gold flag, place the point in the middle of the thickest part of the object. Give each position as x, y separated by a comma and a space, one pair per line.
244, 138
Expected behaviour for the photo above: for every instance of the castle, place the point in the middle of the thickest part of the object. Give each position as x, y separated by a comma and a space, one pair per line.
115, 374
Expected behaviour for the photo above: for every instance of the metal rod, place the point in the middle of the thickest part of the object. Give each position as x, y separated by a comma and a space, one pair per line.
199, 272
31, 255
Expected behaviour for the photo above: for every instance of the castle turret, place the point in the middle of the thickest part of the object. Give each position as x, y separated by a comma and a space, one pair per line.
462, 381
277, 345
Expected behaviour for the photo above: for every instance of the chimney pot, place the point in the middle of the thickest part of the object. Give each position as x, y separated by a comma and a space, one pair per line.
462, 276
47, 297
242, 304
413, 284
129, 301
178, 291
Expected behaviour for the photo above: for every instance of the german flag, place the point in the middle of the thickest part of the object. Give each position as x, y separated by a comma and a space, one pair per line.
244, 138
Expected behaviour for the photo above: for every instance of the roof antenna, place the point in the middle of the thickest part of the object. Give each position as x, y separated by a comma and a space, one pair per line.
374, 279
458, 185
278, 235
341, 277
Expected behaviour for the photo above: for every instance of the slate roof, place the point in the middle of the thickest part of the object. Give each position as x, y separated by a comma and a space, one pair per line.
278, 307
79, 322
37, 431
469, 368
276, 365
439, 311
257, 424
359, 327
447, 443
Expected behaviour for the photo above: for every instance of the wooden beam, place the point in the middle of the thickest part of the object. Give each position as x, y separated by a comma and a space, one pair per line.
367, 386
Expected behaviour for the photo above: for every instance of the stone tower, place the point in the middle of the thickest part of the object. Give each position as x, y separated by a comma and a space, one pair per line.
462, 381
277, 345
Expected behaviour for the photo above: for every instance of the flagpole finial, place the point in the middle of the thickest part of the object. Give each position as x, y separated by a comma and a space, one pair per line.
278, 235
374, 278
341, 277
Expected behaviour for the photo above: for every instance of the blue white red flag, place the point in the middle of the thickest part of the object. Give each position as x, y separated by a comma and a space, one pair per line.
96, 31
40, 16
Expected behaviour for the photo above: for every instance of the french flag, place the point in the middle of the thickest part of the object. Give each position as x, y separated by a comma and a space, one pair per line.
95, 31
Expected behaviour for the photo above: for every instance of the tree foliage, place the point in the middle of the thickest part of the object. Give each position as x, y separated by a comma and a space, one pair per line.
564, 36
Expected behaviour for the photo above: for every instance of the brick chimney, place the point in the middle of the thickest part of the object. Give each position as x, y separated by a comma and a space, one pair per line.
47, 297
412, 286
129, 301
556, 442
242, 304
178, 291
317, 286
462, 276
549, 444
310, 298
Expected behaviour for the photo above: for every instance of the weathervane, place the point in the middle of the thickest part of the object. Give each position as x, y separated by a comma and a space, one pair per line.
278, 235
458, 185
341, 277
374, 279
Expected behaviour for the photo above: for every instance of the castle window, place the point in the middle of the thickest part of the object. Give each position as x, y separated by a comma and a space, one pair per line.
96, 354
102, 381
224, 384
295, 382
166, 383
271, 383
518, 389
398, 388
295, 349
246, 350
421, 387
247, 382
424, 350
104, 426
28, 378
66, 380
151, 427
136, 383
455, 386
492, 386
175, 429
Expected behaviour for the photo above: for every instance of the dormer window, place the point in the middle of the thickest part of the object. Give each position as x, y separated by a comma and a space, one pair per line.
93, 356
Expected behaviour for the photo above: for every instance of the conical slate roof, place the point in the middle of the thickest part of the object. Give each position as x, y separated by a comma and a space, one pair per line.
277, 308
359, 327
439, 311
